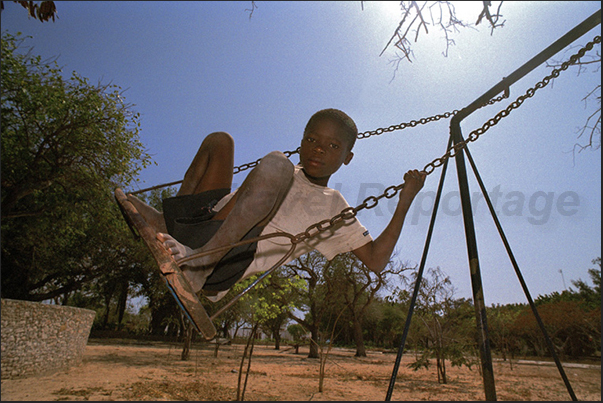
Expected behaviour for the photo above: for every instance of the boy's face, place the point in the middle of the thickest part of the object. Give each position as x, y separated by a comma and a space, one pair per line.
323, 149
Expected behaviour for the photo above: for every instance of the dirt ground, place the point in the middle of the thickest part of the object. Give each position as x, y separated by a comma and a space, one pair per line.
122, 370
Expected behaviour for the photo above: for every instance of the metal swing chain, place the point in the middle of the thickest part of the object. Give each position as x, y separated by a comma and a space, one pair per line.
378, 131
422, 121
362, 135
372, 201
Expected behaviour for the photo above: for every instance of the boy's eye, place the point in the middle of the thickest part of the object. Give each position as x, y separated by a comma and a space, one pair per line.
334, 146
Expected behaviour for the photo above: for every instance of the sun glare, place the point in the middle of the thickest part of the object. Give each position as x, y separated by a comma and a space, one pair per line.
386, 12
468, 11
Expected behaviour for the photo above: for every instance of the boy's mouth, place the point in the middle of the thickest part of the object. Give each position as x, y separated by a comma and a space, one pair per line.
315, 162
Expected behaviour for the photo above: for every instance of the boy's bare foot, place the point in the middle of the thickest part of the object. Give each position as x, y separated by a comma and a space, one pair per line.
153, 217
196, 270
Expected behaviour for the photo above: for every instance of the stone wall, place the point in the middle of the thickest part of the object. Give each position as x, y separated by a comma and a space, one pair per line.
40, 338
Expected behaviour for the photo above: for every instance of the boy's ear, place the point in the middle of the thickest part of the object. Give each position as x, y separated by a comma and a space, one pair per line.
348, 158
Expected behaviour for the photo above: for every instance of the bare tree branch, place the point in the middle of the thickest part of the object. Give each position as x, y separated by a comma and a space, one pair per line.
252, 9
443, 15
592, 124
493, 19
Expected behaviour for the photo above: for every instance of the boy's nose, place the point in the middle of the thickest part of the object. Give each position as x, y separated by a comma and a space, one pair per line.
319, 149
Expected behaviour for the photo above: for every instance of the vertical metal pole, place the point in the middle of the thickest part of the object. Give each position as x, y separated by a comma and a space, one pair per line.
476, 280
524, 286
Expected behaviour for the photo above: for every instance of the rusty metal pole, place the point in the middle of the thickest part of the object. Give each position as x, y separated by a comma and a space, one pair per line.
476, 279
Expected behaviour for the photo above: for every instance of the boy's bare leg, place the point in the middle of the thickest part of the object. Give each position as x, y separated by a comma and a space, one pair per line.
255, 203
212, 168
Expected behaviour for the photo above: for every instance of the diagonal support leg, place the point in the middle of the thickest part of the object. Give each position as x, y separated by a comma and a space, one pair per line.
436, 204
524, 286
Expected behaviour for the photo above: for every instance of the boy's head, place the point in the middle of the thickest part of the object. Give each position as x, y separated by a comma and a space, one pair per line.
327, 144
346, 124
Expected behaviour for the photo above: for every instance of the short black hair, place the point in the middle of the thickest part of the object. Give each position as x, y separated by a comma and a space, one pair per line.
346, 123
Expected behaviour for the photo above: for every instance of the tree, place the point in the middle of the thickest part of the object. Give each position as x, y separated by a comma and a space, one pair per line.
315, 300
447, 322
298, 333
65, 145
500, 324
280, 292
591, 295
572, 319
388, 321
568, 325
592, 126
268, 304
43, 11
357, 287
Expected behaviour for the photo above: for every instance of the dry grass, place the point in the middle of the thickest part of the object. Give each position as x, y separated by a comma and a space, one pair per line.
155, 372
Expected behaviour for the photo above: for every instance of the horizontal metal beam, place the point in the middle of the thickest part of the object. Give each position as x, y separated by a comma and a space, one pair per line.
536, 61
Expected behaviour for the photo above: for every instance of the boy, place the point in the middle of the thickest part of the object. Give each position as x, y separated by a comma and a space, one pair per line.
275, 196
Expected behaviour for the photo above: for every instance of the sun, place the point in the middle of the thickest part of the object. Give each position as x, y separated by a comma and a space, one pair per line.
468, 11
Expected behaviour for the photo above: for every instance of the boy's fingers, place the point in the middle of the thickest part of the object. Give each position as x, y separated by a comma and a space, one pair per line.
414, 174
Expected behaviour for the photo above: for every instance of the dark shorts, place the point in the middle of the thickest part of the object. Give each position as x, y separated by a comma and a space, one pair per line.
189, 220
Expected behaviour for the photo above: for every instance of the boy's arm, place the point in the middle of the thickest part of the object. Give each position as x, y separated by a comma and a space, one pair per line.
376, 254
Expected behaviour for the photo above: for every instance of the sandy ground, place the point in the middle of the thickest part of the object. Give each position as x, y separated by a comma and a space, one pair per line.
154, 371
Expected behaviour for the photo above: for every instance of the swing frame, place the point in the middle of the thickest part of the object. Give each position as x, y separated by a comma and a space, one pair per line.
457, 147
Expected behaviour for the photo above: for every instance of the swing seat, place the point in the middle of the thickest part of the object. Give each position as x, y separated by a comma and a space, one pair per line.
175, 279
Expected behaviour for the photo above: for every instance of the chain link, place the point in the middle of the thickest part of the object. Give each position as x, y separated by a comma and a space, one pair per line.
372, 201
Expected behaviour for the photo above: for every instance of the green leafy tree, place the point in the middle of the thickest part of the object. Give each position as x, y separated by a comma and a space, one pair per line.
43, 11
270, 301
572, 320
280, 292
500, 325
268, 304
234, 318
65, 145
355, 287
447, 324
298, 333
389, 320
315, 299
591, 295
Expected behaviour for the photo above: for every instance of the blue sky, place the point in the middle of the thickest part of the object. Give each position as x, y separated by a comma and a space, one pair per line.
191, 68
